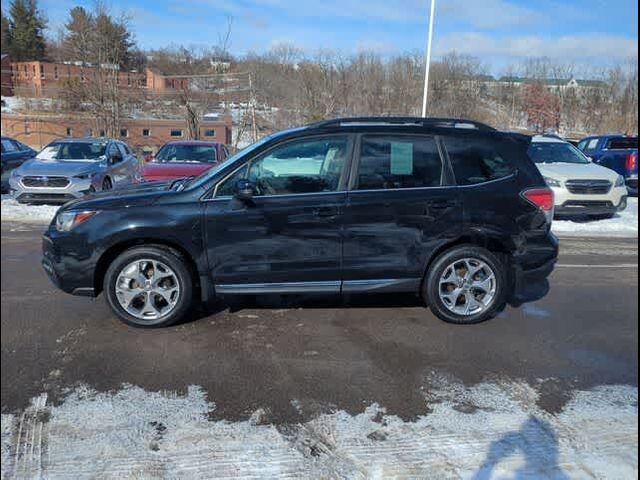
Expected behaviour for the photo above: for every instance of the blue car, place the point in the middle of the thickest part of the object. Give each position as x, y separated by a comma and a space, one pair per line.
14, 154
617, 152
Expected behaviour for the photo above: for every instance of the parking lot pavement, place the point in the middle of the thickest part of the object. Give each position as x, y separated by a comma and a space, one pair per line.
312, 387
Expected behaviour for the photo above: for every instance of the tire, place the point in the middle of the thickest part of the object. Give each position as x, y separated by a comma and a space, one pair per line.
107, 184
120, 277
441, 270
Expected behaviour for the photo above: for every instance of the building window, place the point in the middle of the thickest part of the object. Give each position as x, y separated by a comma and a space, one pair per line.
41, 71
55, 73
102, 133
27, 129
69, 132
128, 80
124, 132
210, 132
146, 132
88, 132
176, 132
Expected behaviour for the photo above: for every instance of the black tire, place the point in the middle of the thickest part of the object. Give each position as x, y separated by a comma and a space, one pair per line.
170, 258
107, 184
431, 285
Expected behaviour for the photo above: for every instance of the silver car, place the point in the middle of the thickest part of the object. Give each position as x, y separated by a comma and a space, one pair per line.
71, 168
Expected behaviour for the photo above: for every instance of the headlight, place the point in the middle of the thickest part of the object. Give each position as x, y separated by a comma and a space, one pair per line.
552, 182
620, 181
65, 221
84, 176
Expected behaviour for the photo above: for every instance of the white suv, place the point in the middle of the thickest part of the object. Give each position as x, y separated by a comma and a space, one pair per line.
581, 187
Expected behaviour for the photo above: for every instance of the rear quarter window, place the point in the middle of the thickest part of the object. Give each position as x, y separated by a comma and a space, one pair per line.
622, 144
478, 160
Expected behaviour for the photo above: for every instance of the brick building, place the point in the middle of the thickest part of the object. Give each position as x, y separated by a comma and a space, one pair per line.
42, 79
145, 134
39, 79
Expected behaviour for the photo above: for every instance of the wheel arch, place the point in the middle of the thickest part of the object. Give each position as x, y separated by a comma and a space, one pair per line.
494, 243
110, 254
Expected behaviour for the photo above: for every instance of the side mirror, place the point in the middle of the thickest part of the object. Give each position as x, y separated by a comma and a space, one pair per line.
115, 158
244, 190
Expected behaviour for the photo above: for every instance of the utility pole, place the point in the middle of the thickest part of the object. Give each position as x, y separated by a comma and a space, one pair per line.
428, 59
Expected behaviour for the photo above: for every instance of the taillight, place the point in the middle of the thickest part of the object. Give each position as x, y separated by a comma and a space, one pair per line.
540, 197
632, 162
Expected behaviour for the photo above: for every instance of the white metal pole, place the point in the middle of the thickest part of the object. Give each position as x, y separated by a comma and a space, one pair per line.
428, 59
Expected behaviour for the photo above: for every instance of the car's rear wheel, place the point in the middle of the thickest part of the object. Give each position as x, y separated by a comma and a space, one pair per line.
149, 287
106, 184
466, 285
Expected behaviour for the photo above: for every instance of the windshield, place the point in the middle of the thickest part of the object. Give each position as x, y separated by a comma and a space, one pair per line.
205, 176
73, 151
186, 153
556, 153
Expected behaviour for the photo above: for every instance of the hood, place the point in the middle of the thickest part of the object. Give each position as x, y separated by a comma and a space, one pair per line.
575, 171
134, 195
66, 168
169, 170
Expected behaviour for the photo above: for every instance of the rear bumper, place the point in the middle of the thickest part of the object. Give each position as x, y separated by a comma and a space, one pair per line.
530, 280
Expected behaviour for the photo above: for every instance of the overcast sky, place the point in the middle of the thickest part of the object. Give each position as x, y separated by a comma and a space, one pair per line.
498, 31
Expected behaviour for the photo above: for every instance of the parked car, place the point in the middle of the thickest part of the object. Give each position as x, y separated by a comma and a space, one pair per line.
70, 168
14, 154
617, 152
581, 187
180, 159
453, 211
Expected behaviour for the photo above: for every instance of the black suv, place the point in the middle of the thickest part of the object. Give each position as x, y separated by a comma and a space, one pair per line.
452, 210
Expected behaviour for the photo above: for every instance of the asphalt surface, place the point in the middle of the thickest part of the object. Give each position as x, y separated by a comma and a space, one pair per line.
264, 353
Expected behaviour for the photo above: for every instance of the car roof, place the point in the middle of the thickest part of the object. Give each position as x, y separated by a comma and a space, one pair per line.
547, 139
193, 142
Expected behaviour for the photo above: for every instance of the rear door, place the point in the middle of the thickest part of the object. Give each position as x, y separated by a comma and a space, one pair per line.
400, 208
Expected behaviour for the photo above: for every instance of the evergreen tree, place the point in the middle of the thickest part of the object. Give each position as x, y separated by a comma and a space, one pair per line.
5, 38
26, 25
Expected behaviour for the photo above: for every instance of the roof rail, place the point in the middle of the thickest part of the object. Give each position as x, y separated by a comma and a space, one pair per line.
425, 122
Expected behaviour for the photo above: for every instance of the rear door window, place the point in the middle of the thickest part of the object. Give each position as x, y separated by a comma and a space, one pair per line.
403, 161
476, 160
622, 144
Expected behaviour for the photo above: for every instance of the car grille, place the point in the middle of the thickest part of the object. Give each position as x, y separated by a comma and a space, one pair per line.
45, 198
45, 182
589, 187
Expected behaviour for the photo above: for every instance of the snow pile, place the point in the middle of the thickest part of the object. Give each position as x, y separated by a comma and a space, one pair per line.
9, 104
12, 211
491, 430
624, 224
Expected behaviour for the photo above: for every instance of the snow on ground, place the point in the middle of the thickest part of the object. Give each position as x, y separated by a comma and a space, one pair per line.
624, 224
491, 430
12, 211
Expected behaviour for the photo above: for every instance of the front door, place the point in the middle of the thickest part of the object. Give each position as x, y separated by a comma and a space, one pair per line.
400, 209
289, 238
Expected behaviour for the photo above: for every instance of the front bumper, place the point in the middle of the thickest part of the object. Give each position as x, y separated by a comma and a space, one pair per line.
76, 188
71, 275
575, 205
632, 184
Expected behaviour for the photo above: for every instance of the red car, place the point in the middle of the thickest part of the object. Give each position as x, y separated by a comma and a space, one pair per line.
185, 158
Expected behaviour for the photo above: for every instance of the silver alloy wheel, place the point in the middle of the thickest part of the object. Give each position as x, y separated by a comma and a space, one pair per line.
147, 289
468, 287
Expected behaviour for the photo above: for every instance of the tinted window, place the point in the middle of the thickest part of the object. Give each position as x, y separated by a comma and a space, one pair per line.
556, 153
622, 144
227, 186
477, 160
582, 145
306, 166
8, 146
398, 162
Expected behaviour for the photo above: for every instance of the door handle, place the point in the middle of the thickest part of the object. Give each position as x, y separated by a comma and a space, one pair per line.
325, 212
442, 204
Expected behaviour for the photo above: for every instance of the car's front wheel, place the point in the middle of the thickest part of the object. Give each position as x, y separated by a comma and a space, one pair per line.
149, 287
467, 284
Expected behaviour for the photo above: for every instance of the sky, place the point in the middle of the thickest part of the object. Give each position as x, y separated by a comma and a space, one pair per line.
499, 32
